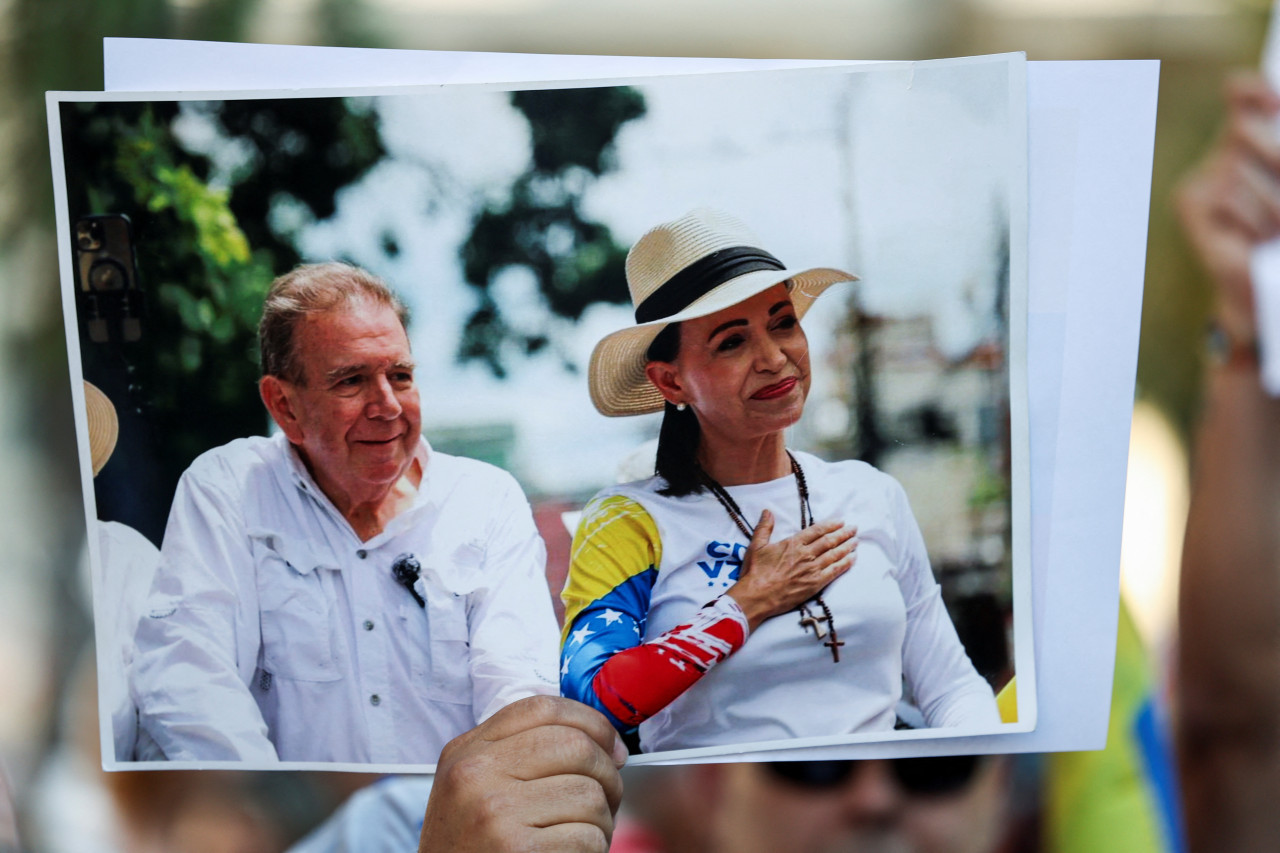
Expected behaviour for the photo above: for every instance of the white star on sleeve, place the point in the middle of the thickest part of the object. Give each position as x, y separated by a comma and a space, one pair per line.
564, 668
611, 616
581, 634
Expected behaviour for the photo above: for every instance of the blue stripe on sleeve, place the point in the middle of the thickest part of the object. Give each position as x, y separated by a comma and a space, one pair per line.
603, 628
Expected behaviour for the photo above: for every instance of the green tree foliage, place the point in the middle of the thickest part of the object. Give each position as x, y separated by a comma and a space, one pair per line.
206, 251
540, 225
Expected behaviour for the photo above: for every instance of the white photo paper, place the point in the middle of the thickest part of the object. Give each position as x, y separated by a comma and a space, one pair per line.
911, 175
1091, 128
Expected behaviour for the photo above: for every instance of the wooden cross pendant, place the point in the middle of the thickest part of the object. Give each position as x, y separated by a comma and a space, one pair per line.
834, 645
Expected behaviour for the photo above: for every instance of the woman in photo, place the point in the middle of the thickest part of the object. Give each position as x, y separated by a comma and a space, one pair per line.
747, 592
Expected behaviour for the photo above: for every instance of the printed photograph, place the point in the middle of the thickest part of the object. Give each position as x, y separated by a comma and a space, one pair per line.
699, 400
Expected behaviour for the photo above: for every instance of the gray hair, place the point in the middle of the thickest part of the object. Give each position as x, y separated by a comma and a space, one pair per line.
312, 289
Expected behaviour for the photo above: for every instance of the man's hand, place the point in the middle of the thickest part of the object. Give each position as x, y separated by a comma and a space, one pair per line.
541, 774
1231, 202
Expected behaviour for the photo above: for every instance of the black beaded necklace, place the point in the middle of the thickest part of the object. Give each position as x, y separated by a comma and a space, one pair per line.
820, 625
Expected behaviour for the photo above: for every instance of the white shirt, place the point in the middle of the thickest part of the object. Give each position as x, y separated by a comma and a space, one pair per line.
783, 683
385, 817
126, 565
272, 631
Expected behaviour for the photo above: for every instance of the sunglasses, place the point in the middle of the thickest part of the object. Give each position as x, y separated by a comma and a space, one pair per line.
931, 776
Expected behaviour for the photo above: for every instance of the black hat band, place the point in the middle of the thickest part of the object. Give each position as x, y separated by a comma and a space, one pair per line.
701, 277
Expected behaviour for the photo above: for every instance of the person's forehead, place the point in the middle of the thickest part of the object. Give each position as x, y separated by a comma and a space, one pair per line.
359, 330
762, 303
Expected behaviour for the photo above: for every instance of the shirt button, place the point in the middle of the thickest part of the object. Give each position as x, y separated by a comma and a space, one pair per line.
368, 624
375, 700
362, 553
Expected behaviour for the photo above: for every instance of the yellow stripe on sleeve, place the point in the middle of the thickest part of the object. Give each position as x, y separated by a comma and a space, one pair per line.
616, 541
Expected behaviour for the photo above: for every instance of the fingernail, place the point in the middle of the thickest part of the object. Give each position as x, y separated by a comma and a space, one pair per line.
619, 751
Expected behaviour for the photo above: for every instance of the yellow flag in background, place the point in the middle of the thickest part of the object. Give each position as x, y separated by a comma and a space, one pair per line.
1122, 799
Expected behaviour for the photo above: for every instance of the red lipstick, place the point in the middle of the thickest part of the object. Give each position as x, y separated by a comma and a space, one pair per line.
778, 389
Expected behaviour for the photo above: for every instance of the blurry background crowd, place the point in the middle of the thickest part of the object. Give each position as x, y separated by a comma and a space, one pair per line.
45, 624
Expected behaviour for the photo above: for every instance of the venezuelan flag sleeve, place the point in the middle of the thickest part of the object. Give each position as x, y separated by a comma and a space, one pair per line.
604, 662
612, 568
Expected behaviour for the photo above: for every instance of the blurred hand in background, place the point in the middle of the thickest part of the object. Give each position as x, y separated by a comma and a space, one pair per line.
1231, 202
1229, 649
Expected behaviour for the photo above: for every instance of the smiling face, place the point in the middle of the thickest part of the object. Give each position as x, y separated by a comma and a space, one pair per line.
355, 418
743, 370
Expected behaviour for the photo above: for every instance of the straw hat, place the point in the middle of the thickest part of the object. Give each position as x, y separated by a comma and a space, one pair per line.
104, 428
699, 264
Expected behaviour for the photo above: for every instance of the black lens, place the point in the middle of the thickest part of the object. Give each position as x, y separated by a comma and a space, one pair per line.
89, 235
932, 776
935, 775
107, 275
812, 774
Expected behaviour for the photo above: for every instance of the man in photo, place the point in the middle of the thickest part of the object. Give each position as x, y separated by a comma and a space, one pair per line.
339, 591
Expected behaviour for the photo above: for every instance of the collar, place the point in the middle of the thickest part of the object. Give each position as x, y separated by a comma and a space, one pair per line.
305, 483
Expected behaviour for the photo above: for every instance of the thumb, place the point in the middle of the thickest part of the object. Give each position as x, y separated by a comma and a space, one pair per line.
763, 532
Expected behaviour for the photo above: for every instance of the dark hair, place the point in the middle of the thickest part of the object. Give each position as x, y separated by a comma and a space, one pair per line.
680, 434
311, 289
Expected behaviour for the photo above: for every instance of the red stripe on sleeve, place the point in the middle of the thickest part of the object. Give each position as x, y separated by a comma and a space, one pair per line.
639, 682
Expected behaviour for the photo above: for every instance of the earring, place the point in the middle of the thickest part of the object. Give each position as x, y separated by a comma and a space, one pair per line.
680, 407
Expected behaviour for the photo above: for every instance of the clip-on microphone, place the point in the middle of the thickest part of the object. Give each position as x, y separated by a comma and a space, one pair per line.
407, 569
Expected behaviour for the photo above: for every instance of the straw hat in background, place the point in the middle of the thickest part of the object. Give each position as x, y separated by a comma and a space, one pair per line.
696, 265
104, 427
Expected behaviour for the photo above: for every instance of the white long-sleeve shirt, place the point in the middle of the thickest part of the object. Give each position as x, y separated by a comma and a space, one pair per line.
273, 632
126, 565
645, 563
385, 817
